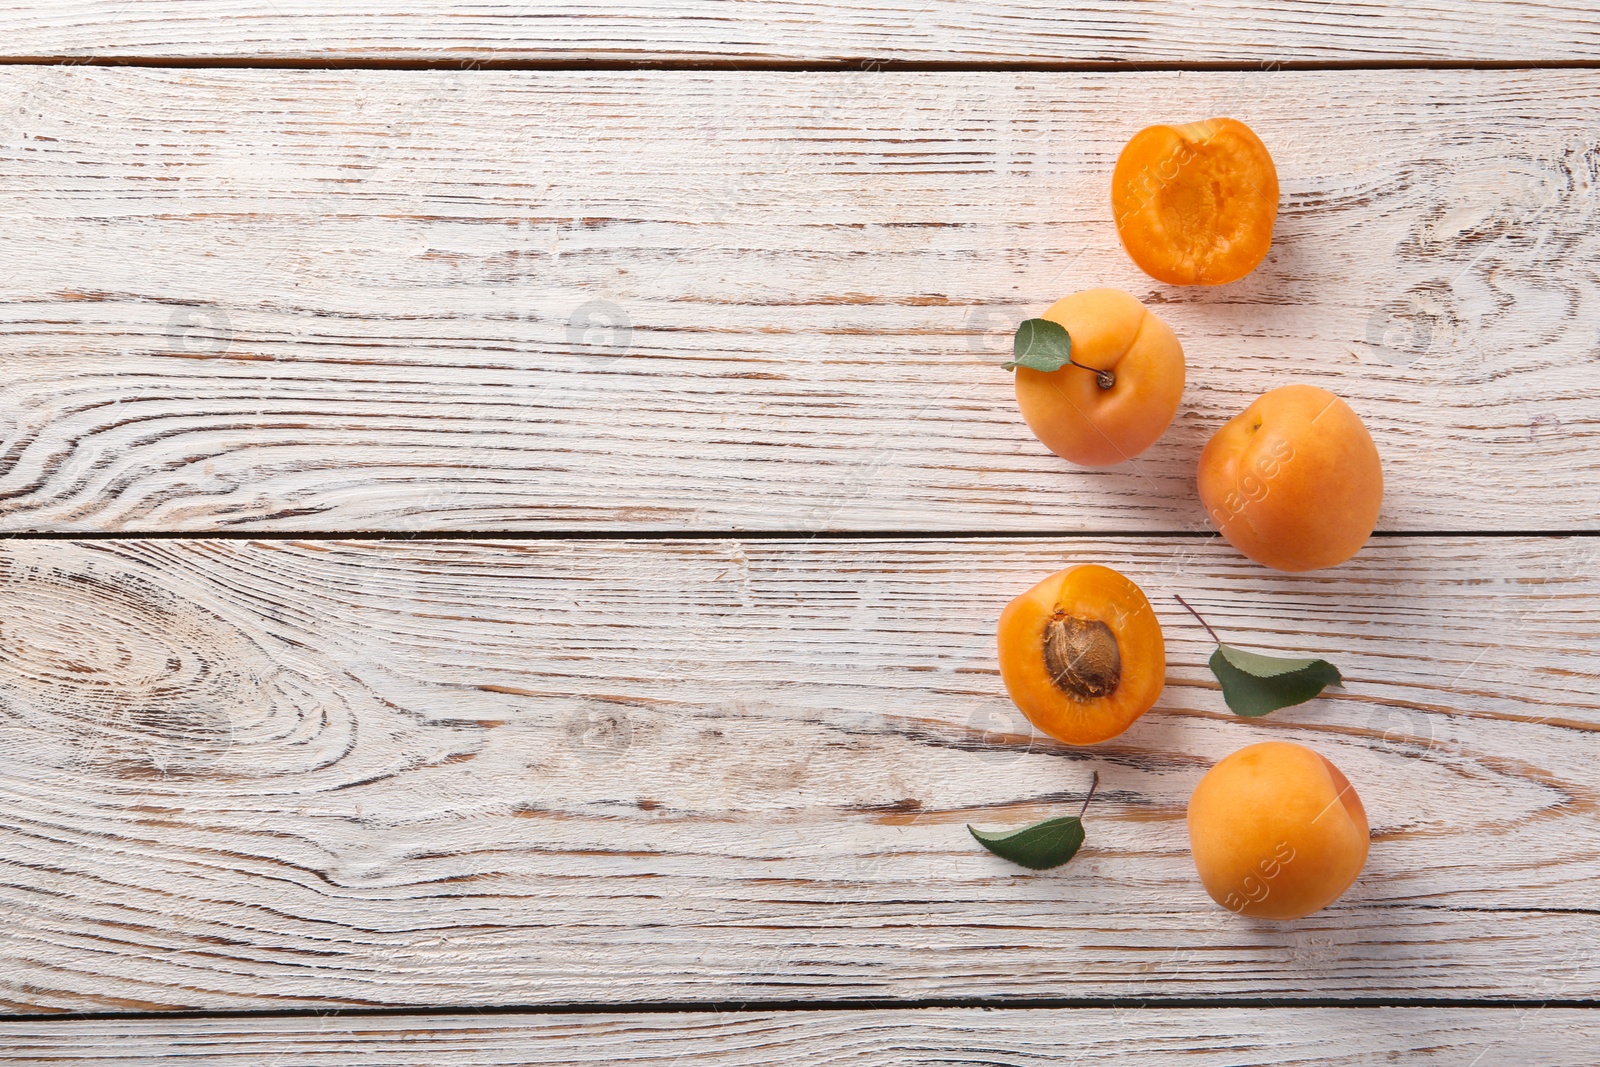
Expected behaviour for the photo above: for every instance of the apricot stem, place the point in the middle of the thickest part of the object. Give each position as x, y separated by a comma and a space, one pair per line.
1094, 783
1197, 615
1103, 378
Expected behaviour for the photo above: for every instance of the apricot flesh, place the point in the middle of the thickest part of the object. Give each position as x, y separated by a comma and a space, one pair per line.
1072, 414
1294, 481
1276, 831
1081, 654
1195, 204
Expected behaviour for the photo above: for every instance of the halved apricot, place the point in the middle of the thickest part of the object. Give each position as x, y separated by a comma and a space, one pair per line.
1081, 654
1094, 419
1195, 204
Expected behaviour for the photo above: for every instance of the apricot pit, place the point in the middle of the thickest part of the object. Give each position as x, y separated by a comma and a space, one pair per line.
1081, 656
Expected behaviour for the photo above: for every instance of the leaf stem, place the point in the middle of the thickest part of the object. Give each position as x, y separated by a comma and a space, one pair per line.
1103, 378
1094, 783
1197, 615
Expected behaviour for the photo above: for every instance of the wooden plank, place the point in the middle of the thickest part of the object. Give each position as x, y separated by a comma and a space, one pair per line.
1220, 1037
392, 300
997, 31
279, 774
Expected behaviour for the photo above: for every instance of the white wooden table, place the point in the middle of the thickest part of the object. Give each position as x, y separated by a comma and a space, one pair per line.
508, 504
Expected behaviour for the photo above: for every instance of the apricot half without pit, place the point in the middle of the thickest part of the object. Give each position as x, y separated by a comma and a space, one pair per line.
1195, 204
1081, 654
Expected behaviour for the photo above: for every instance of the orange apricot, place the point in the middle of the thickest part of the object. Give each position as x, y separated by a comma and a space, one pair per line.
1294, 481
1276, 831
1081, 654
1081, 414
1195, 204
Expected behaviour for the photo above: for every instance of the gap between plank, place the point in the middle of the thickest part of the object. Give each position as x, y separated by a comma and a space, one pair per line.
711, 535
799, 65
865, 1004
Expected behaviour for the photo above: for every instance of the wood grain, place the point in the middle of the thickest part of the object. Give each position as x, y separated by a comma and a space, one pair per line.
996, 31
411, 300
1221, 1037
280, 774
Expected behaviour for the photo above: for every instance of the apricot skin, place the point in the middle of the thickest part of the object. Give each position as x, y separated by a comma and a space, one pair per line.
1294, 481
1276, 831
1195, 204
1093, 594
1094, 427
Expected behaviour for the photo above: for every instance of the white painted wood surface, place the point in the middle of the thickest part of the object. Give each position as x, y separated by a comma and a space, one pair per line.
316, 774
995, 31
392, 300
935, 1037
280, 774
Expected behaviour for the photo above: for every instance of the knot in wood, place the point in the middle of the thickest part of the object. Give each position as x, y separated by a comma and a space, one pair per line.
1081, 656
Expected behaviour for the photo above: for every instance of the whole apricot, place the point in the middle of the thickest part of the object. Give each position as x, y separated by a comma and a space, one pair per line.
1081, 654
1276, 831
1124, 391
1294, 481
1195, 204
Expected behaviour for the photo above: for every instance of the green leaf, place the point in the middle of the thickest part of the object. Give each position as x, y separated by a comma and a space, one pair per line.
1040, 345
1038, 847
1255, 685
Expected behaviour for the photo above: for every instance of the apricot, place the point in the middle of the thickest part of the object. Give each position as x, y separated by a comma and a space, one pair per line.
1195, 204
1276, 831
1089, 418
1294, 481
1081, 654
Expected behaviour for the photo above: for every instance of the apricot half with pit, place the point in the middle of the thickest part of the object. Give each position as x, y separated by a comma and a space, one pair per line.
1293, 481
1195, 204
1081, 654
1122, 388
1276, 831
